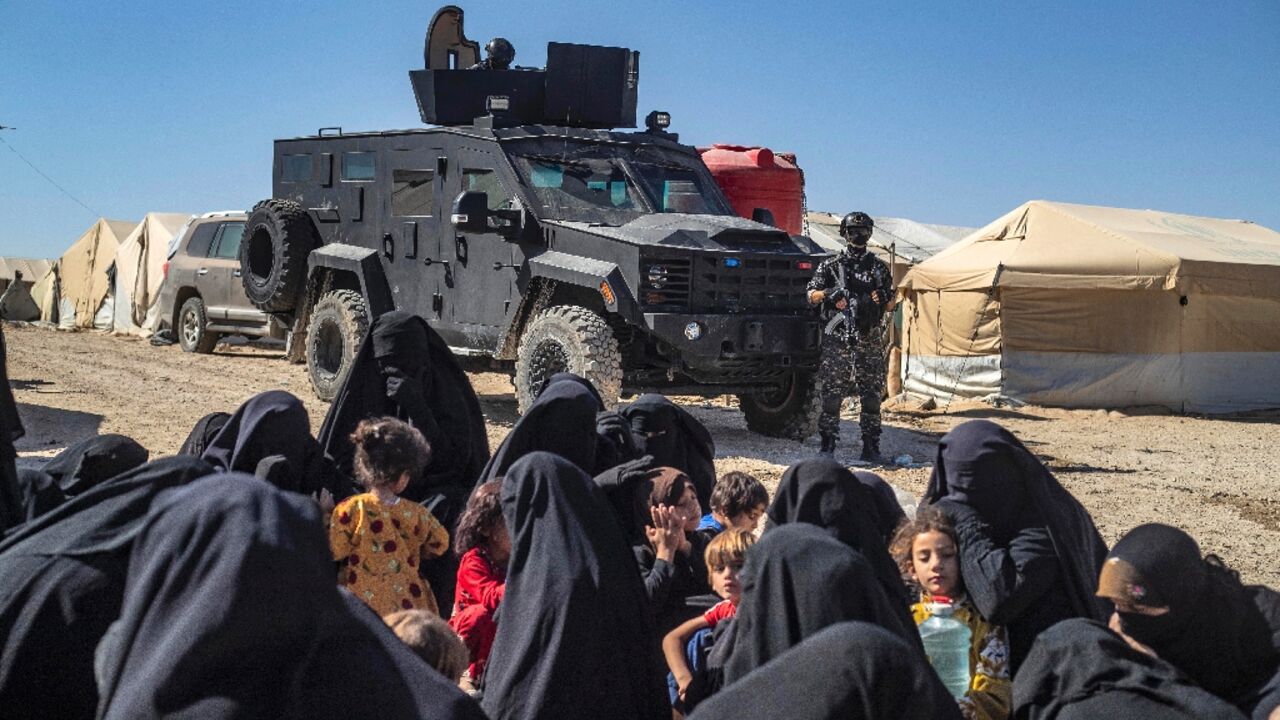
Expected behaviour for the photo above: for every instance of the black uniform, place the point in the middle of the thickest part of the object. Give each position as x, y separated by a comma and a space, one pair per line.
853, 357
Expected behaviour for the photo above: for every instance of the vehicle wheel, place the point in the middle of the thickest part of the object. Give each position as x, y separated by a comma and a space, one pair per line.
338, 324
572, 339
790, 412
278, 236
192, 323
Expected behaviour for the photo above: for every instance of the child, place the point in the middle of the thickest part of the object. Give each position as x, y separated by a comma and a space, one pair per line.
725, 555
737, 501
378, 537
432, 639
926, 551
484, 547
670, 555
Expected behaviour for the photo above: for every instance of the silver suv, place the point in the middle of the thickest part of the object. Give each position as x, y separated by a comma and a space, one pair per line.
203, 298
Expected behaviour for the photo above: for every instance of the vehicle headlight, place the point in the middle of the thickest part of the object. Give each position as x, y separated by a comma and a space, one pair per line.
657, 276
693, 330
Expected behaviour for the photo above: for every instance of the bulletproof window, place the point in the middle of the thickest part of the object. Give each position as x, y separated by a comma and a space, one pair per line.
412, 192
227, 243
295, 169
485, 181
357, 166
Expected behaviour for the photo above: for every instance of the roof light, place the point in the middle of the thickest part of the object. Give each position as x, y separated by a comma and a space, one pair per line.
497, 103
657, 121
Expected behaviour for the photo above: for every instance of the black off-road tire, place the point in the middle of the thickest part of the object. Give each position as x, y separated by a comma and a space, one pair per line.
339, 322
790, 413
567, 338
278, 236
193, 323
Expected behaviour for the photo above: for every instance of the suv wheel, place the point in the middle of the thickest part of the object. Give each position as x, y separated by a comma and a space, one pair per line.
790, 412
572, 339
193, 322
338, 324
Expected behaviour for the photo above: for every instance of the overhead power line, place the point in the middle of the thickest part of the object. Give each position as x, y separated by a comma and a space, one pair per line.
41, 173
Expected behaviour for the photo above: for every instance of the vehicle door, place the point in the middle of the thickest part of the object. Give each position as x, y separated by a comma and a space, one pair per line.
238, 306
484, 275
411, 240
221, 269
189, 266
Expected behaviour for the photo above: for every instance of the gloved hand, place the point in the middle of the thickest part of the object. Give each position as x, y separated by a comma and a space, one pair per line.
835, 296
401, 388
615, 430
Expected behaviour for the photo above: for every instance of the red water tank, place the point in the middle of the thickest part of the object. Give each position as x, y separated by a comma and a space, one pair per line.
756, 177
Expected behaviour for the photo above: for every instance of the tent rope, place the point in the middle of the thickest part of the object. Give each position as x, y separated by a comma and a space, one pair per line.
973, 338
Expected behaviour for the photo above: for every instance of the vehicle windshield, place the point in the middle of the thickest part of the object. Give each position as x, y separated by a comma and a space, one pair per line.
613, 184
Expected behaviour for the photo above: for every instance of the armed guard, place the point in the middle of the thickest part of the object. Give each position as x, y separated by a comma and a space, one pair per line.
855, 289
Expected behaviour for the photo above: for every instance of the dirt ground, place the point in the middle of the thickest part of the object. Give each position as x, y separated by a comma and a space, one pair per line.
1218, 478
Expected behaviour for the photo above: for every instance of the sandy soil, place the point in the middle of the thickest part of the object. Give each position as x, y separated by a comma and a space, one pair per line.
1219, 478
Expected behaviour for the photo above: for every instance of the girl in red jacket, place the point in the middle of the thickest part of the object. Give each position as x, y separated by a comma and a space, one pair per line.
483, 547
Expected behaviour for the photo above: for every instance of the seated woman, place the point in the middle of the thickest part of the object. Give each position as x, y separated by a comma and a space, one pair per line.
1193, 612
1029, 552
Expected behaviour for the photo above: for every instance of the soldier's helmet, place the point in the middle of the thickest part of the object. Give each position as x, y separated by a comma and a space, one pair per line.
856, 224
500, 53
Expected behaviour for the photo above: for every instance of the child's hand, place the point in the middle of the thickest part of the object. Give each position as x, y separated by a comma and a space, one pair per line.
325, 499
667, 533
682, 685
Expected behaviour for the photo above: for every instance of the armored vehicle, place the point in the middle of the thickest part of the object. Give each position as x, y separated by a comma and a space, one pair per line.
537, 238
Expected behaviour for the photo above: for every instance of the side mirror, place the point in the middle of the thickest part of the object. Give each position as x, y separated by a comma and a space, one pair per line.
471, 212
764, 216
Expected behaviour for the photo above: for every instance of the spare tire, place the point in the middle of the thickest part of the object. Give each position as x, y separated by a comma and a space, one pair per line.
278, 236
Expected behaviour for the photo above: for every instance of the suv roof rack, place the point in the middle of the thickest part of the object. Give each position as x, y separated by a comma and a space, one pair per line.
222, 213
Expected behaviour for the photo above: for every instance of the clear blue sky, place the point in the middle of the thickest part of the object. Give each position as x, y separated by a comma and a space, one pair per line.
946, 112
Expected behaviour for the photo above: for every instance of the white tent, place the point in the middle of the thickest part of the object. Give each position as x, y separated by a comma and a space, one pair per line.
899, 241
1083, 306
140, 271
18, 301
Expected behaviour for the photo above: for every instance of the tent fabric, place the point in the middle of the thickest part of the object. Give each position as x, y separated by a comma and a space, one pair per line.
1082, 306
84, 280
140, 271
19, 303
45, 294
912, 241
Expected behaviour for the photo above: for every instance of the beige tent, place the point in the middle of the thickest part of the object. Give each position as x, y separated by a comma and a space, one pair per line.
45, 294
18, 303
140, 270
84, 284
1081, 306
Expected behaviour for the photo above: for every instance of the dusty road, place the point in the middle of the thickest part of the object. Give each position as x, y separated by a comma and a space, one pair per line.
1217, 478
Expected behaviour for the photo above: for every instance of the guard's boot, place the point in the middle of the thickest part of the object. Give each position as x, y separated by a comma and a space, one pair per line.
871, 449
828, 444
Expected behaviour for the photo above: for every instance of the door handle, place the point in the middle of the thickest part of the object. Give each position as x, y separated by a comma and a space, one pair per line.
235, 273
432, 261
202, 271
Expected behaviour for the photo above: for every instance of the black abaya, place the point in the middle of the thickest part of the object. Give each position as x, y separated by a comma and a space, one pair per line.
61, 584
574, 636
846, 671
90, 462
11, 509
675, 438
885, 507
798, 580
1029, 551
274, 427
230, 611
203, 433
1080, 670
562, 420
822, 492
40, 493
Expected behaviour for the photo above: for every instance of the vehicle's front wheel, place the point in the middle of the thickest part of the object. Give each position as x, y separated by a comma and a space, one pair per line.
193, 333
338, 324
789, 412
567, 338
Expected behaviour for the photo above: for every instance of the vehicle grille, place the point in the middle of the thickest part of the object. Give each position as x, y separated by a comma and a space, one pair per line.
665, 283
769, 285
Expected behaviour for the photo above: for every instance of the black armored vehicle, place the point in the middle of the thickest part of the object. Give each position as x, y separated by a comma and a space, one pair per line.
535, 238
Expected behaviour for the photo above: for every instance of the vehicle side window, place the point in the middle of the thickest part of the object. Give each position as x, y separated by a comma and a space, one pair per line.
412, 192
227, 244
201, 240
295, 168
486, 181
357, 166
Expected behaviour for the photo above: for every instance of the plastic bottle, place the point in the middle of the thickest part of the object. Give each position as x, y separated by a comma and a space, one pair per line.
946, 641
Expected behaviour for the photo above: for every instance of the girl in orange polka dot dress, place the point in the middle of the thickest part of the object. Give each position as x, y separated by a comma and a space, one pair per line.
380, 538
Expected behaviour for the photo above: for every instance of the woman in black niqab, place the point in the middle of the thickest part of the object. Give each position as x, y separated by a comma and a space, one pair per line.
822, 492
1080, 670
885, 508
230, 611
562, 420
798, 580
574, 638
846, 671
405, 370
40, 493
675, 438
270, 436
91, 461
1029, 551
204, 431
1201, 619
61, 585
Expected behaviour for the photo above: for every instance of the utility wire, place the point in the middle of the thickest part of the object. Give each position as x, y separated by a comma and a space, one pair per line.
51, 180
